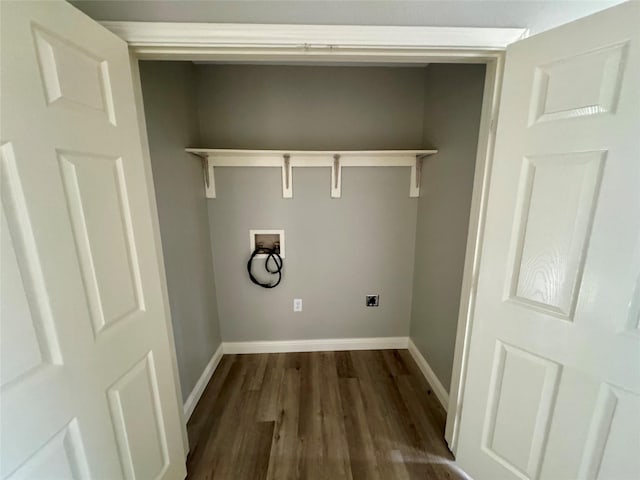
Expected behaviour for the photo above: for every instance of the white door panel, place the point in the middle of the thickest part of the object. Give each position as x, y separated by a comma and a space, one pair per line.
87, 376
553, 386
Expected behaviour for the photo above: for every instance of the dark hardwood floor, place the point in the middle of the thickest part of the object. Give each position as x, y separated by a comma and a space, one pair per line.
326, 415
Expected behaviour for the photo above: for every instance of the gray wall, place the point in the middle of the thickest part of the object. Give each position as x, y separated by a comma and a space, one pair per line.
535, 15
285, 107
453, 101
170, 108
337, 250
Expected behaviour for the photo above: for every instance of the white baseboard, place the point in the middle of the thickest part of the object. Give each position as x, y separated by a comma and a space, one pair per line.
323, 345
192, 400
437, 387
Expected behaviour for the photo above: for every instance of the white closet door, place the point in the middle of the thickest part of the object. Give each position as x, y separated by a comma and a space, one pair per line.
553, 387
87, 376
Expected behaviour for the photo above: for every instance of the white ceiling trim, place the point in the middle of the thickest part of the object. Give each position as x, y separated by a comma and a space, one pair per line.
147, 36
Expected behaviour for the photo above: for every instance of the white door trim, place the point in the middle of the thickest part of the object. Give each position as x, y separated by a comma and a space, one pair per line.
155, 225
152, 38
475, 236
357, 45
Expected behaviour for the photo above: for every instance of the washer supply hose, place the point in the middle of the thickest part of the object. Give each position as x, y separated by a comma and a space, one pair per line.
271, 255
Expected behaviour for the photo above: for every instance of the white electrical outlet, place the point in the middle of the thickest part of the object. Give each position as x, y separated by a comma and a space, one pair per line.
297, 304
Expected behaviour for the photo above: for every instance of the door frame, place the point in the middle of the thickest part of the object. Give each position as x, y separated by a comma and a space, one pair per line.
155, 225
322, 44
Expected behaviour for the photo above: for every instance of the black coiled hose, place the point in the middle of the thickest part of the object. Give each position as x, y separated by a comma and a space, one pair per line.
271, 255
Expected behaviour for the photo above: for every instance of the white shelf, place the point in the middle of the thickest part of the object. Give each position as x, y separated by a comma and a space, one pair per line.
288, 159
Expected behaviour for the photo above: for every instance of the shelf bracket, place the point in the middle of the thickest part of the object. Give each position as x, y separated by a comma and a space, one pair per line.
336, 177
416, 174
207, 173
287, 180
209, 178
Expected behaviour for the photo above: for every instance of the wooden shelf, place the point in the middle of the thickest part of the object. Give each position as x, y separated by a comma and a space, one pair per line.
288, 159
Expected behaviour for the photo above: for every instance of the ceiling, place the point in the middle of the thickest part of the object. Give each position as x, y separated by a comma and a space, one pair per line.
535, 15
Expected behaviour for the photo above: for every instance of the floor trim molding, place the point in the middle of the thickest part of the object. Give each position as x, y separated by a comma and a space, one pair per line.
429, 374
192, 400
321, 345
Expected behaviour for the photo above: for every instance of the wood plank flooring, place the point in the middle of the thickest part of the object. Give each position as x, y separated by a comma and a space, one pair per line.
325, 415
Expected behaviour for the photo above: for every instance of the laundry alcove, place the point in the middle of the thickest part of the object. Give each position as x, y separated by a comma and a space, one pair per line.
352, 228
410, 206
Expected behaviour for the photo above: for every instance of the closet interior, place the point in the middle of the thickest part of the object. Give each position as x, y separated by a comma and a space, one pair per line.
352, 228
